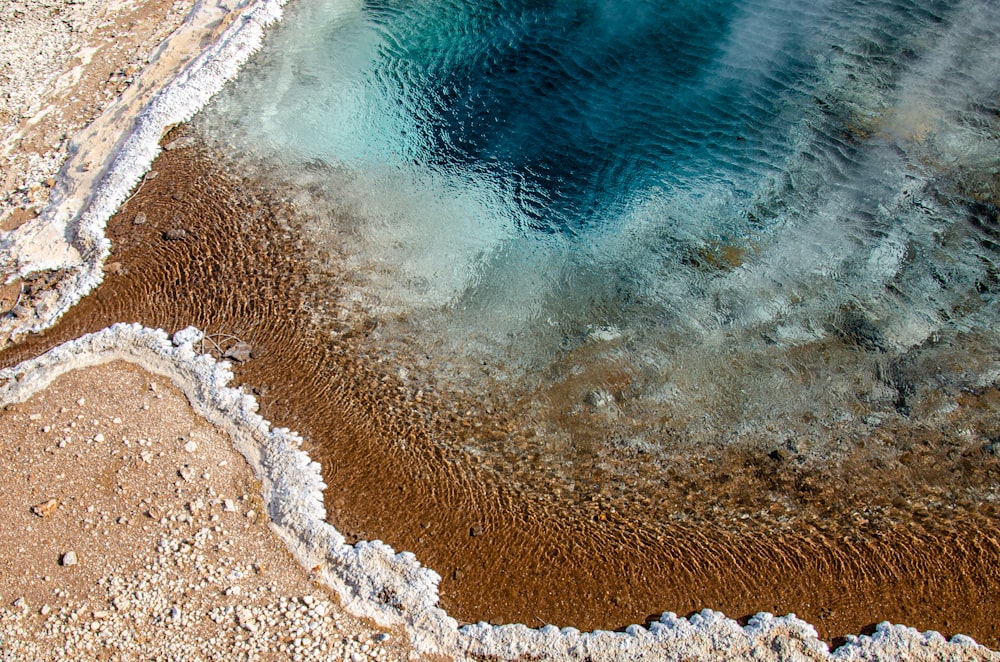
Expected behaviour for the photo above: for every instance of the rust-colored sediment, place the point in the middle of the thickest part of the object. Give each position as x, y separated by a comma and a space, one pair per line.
216, 252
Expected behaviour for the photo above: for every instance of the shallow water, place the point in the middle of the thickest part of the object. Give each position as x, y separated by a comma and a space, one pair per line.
647, 230
901, 527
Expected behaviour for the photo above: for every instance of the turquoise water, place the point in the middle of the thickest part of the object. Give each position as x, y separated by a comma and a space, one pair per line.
750, 219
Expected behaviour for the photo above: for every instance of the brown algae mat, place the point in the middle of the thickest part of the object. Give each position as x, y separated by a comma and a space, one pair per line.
197, 246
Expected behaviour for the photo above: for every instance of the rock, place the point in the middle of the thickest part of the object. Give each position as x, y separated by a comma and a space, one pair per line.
241, 352
69, 558
780, 454
604, 334
477, 530
45, 508
175, 234
228, 505
140, 218
179, 143
10, 295
600, 399
191, 446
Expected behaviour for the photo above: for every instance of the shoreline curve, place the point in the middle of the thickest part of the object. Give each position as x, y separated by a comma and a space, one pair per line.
394, 589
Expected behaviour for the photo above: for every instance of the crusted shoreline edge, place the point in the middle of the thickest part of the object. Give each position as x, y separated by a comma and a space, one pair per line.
372, 580
110, 157
394, 589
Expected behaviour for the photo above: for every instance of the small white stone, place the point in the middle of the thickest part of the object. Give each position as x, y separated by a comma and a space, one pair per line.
191, 446
98, 437
229, 505
81, 401
70, 558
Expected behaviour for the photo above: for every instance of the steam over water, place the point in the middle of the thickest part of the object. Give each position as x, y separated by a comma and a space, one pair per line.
648, 224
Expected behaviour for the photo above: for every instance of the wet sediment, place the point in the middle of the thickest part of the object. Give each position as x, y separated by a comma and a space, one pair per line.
897, 530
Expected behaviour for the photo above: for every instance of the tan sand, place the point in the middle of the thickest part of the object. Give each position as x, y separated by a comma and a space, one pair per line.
133, 529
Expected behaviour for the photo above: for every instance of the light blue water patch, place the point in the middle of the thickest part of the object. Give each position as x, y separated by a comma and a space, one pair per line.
703, 192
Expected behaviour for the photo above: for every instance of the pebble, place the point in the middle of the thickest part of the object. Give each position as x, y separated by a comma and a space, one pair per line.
240, 352
191, 446
70, 558
179, 143
45, 508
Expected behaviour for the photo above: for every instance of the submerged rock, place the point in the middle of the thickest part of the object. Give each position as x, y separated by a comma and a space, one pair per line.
241, 352
175, 234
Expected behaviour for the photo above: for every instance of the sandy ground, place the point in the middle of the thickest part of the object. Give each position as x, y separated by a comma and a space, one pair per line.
110, 465
62, 64
134, 530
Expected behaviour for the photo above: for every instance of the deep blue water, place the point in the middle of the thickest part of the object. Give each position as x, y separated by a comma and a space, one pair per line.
586, 106
759, 207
